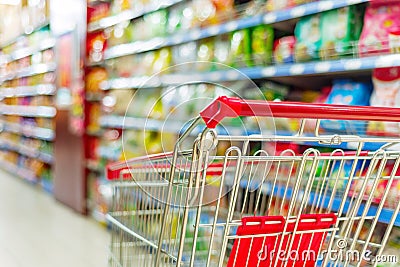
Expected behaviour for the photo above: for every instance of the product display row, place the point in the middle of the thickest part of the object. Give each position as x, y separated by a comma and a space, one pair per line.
131, 115
28, 86
31, 169
22, 20
308, 41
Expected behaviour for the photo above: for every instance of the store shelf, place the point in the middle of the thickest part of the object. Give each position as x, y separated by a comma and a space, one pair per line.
23, 91
243, 23
29, 51
121, 122
131, 123
170, 126
19, 171
279, 191
331, 67
26, 151
129, 15
28, 111
30, 71
38, 28
29, 131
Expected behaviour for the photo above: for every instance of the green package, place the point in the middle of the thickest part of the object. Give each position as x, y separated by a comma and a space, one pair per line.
205, 54
308, 36
240, 49
340, 29
156, 22
262, 41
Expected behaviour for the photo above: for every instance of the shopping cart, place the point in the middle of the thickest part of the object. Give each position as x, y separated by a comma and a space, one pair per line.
223, 202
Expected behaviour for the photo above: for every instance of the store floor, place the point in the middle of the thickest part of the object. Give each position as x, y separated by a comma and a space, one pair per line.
37, 231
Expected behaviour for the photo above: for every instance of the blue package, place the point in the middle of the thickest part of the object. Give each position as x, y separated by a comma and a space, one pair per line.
348, 92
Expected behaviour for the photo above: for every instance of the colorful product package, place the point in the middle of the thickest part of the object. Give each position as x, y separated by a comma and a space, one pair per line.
204, 12
96, 44
221, 51
94, 78
386, 93
162, 60
97, 12
340, 28
120, 5
184, 53
262, 39
240, 49
284, 49
224, 9
121, 34
273, 5
180, 18
140, 30
348, 92
157, 22
308, 36
381, 19
205, 54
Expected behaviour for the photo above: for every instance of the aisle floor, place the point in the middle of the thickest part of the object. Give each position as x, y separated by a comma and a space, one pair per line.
37, 231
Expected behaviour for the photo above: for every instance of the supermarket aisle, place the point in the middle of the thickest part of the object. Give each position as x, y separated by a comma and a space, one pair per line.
36, 231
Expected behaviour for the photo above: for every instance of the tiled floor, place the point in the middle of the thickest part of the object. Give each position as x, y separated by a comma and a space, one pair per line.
37, 231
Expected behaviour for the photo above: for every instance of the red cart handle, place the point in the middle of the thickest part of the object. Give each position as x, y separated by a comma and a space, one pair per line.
232, 107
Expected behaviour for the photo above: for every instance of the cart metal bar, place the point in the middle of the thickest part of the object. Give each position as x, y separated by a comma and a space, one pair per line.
216, 204
224, 107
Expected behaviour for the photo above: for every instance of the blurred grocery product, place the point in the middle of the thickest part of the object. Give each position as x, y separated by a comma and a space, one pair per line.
386, 94
309, 37
381, 19
348, 92
262, 40
340, 29
284, 49
273, 5
240, 49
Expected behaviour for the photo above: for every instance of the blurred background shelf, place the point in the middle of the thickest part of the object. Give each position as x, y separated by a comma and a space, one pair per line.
30, 51
129, 15
30, 71
28, 111
23, 91
29, 131
290, 73
233, 25
21, 172
26, 151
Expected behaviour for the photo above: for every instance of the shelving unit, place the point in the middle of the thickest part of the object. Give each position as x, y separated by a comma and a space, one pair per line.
23, 91
28, 108
26, 174
29, 131
310, 75
327, 68
129, 15
233, 25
